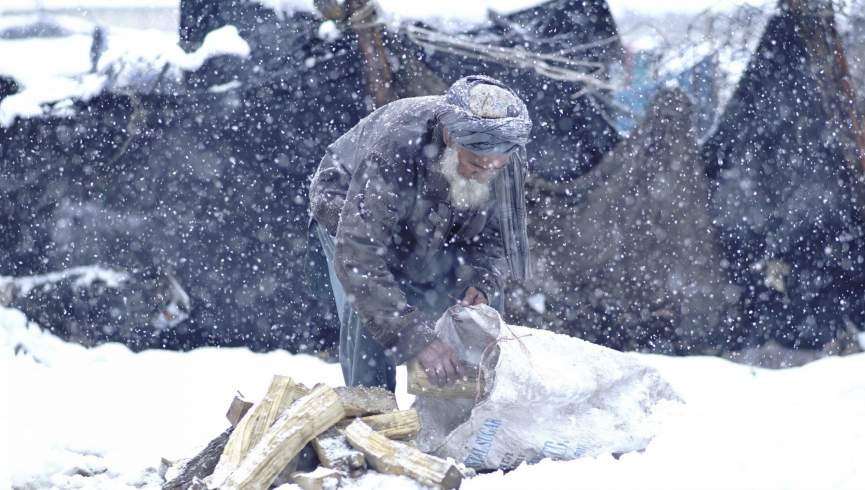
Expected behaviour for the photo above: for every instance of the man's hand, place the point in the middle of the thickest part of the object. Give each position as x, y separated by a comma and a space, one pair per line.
439, 361
474, 297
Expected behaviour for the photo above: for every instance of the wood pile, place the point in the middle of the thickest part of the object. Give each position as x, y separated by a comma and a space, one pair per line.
314, 438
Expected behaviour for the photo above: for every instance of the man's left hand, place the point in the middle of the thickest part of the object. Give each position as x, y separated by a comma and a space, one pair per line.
473, 297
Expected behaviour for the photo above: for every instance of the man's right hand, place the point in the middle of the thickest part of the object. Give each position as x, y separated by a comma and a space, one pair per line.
439, 361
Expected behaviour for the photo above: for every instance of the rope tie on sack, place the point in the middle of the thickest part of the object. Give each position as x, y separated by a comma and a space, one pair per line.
489, 349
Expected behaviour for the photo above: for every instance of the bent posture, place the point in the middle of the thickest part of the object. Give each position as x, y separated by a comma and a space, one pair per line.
416, 207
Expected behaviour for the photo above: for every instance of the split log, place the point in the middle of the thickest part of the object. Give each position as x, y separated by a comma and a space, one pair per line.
398, 458
365, 400
402, 424
201, 465
282, 393
302, 421
238, 408
320, 479
420, 384
334, 452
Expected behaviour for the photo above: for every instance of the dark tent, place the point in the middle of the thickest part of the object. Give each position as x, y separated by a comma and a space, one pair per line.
633, 261
789, 194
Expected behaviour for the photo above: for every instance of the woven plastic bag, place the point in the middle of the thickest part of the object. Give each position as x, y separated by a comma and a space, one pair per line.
541, 395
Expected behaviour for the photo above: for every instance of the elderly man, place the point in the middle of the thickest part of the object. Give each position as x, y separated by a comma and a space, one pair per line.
416, 207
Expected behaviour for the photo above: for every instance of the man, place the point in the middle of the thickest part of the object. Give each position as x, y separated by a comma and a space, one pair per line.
419, 205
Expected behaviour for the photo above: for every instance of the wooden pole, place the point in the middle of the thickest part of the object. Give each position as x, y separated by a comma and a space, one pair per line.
370, 39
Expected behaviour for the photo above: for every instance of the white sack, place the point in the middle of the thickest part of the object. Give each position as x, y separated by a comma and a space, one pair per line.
545, 395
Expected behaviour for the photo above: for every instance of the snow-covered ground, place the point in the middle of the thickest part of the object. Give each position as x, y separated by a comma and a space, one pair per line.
70, 412
134, 58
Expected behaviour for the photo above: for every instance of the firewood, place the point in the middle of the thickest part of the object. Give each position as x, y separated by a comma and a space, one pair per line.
238, 408
199, 466
282, 393
365, 400
334, 452
397, 458
465, 387
320, 479
302, 421
402, 424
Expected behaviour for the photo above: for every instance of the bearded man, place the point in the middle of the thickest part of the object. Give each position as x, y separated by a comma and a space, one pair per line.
419, 205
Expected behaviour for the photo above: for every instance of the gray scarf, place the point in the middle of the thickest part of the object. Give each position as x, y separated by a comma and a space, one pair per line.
506, 135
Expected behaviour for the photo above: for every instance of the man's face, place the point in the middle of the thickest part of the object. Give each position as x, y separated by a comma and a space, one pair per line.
480, 168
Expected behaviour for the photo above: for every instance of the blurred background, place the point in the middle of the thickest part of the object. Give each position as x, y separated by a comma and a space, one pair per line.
697, 167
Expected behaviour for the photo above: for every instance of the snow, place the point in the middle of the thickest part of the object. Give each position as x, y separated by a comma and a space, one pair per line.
684, 7
20, 5
83, 276
454, 15
134, 58
113, 413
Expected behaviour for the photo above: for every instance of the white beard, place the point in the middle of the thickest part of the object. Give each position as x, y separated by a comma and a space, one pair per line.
465, 193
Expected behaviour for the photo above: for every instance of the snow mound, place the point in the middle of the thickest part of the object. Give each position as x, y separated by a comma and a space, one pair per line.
112, 414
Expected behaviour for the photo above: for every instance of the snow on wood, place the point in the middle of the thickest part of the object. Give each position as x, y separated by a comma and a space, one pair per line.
303, 421
283, 391
319, 479
364, 400
334, 452
200, 466
397, 458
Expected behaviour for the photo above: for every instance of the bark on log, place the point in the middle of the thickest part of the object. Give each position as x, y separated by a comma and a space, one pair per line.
420, 384
334, 452
320, 479
238, 408
201, 465
302, 421
398, 458
364, 400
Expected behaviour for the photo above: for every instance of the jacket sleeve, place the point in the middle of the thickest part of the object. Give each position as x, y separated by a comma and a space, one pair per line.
485, 263
375, 206
327, 192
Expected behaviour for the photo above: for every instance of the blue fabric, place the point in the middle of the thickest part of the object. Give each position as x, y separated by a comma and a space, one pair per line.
363, 360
